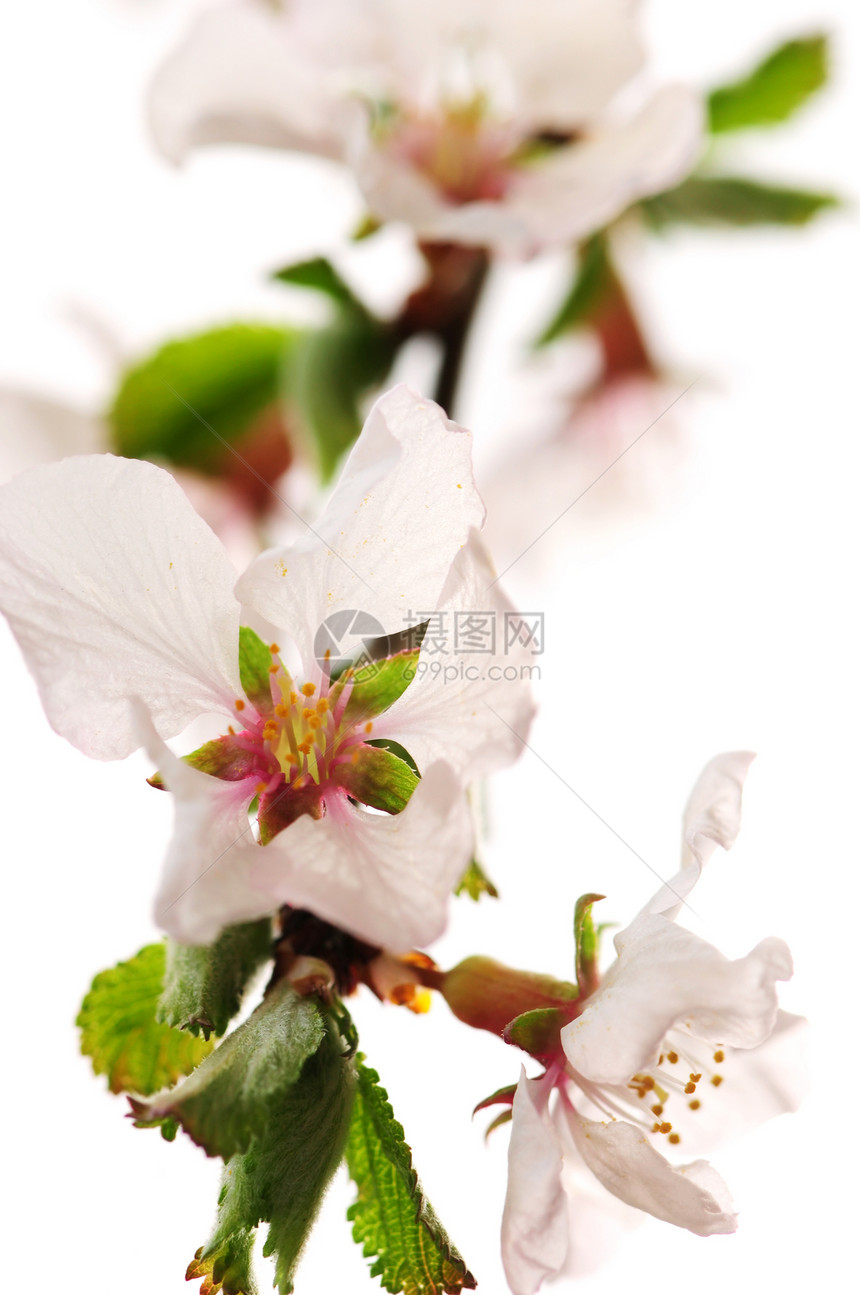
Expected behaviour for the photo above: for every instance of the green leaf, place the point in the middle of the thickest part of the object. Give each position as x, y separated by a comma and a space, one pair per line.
593, 280
225, 378
475, 883
734, 200
231, 1096
121, 1035
378, 778
330, 372
254, 661
282, 1178
774, 90
319, 275
203, 987
392, 1220
377, 686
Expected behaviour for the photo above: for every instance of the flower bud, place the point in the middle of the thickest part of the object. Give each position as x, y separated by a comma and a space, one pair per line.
488, 995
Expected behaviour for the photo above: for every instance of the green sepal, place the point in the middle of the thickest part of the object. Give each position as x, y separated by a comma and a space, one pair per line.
230, 1098
501, 1095
203, 986
503, 1117
377, 686
392, 1219
331, 371
587, 944
254, 661
537, 1031
377, 778
220, 758
121, 1034
733, 200
225, 378
593, 281
388, 744
283, 1176
475, 883
319, 275
774, 90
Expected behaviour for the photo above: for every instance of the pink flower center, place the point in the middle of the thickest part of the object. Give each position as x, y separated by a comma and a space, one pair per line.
467, 156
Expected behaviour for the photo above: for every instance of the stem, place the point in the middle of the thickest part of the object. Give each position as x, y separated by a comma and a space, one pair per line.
445, 307
618, 331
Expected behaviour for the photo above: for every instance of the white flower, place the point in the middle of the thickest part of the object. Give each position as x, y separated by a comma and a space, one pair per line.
123, 603
487, 122
677, 1045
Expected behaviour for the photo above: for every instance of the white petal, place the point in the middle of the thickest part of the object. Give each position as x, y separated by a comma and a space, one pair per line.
586, 184
35, 430
597, 1221
667, 978
565, 61
534, 1222
385, 878
402, 510
115, 589
204, 885
472, 708
757, 1084
691, 1196
241, 76
712, 817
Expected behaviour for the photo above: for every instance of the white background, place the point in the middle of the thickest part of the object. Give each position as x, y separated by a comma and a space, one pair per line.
723, 617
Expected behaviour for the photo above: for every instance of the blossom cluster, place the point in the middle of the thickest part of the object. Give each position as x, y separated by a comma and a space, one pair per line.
325, 720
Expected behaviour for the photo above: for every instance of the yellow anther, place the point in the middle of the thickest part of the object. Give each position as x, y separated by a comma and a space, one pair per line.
716, 1080
294, 697
281, 710
273, 669
306, 746
694, 1079
308, 689
719, 1056
355, 756
368, 728
665, 1127
274, 649
689, 1088
260, 788
694, 1104
674, 1138
657, 1109
672, 1057
314, 721
239, 704
290, 758
231, 730
307, 712
655, 1127
322, 705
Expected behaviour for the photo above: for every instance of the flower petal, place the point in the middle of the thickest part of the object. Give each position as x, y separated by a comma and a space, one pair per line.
204, 885
469, 705
691, 1196
402, 510
534, 1222
565, 61
667, 978
712, 817
241, 76
115, 589
588, 183
385, 878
